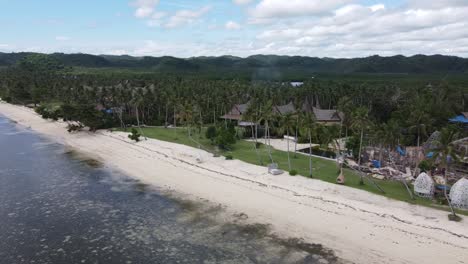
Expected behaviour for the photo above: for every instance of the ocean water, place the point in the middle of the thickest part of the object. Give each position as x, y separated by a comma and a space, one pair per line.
57, 206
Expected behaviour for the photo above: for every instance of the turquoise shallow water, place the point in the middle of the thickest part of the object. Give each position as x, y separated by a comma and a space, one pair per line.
56, 207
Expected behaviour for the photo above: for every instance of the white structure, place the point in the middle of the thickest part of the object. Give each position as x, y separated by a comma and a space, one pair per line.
459, 193
273, 169
424, 186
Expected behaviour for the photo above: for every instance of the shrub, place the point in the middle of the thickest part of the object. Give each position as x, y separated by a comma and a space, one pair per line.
225, 138
293, 173
135, 135
211, 133
352, 144
74, 127
425, 165
229, 157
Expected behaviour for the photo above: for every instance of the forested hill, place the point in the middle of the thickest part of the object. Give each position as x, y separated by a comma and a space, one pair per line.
261, 64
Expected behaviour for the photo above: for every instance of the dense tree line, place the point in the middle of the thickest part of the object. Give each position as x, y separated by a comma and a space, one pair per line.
259, 67
396, 113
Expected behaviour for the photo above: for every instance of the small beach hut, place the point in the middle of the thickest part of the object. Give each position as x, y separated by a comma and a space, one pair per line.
424, 186
459, 193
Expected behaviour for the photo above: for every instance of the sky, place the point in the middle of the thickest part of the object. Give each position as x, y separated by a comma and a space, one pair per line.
189, 28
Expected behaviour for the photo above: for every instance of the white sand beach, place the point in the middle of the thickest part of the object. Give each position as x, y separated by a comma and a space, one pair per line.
361, 227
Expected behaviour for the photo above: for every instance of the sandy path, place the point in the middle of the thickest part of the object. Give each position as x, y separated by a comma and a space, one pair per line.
359, 226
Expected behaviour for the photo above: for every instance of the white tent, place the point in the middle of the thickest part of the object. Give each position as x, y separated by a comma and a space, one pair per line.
459, 193
424, 186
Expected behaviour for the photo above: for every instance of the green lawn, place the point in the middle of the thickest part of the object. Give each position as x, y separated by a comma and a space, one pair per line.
323, 169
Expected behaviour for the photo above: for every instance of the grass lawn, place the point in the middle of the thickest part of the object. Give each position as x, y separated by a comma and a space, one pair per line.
323, 169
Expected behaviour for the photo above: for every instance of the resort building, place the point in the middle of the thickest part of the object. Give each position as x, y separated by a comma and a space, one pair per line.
324, 116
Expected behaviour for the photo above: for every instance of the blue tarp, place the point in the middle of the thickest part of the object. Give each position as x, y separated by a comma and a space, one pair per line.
401, 151
376, 164
430, 155
459, 119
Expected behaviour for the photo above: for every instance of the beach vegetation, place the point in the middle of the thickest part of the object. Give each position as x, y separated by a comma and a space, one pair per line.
211, 133
135, 135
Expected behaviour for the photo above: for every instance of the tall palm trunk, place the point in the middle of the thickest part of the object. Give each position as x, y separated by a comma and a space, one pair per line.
361, 181
289, 159
167, 114
175, 122
445, 191
214, 115
255, 145
310, 153
121, 119
268, 141
296, 139
419, 136
138, 122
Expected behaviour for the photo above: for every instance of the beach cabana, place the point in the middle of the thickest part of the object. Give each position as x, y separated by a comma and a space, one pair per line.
284, 109
424, 186
236, 112
324, 116
459, 193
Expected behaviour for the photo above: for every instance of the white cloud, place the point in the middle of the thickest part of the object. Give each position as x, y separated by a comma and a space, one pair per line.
231, 25
426, 4
336, 28
378, 7
62, 38
155, 20
357, 30
184, 17
293, 8
144, 8
242, 2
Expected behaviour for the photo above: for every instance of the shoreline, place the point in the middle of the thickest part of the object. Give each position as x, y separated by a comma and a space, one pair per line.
358, 226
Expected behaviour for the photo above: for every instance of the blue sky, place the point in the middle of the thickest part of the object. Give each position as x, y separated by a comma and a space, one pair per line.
185, 28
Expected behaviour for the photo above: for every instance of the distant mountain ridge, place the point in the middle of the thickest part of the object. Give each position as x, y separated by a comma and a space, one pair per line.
262, 64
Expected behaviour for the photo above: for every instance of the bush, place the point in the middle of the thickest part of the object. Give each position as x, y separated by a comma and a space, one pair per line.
229, 157
53, 113
225, 138
352, 144
74, 127
211, 133
425, 166
293, 173
135, 135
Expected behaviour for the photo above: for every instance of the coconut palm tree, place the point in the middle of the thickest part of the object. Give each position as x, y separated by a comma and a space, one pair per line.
298, 105
285, 125
345, 106
308, 121
137, 101
267, 116
446, 154
419, 119
360, 122
252, 116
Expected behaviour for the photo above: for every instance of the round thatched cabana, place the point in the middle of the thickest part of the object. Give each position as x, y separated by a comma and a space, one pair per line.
424, 186
459, 193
